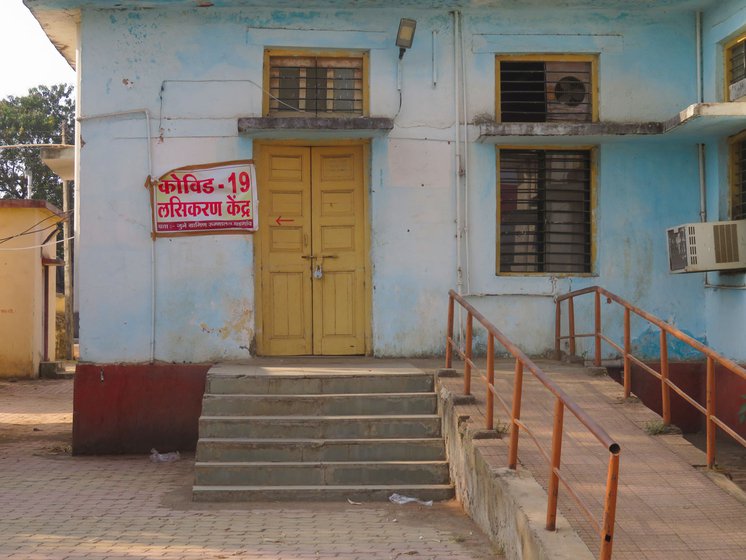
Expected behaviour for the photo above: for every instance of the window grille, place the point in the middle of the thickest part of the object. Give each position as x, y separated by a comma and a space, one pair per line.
322, 86
546, 91
545, 211
738, 155
737, 62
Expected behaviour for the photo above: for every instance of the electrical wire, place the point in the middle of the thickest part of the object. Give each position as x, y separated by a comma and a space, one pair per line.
399, 109
29, 230
37, 246
40, 230
246, 80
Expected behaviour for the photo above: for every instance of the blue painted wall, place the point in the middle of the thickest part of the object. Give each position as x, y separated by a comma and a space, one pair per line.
724, 294
197, 71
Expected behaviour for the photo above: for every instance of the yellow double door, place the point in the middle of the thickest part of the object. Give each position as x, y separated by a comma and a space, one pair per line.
312, 253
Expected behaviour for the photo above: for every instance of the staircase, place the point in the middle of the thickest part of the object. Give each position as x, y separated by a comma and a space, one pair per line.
320, 436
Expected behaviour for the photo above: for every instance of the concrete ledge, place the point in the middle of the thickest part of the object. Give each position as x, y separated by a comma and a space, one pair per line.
509, 506
53, 370
322, 127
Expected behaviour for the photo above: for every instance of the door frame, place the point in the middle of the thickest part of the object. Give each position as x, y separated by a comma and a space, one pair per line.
258, 146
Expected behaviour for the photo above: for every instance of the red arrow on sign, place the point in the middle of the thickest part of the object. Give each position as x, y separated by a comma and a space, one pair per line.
280, 219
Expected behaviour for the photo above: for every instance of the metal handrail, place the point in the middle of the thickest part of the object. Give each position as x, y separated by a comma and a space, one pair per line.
606, 529
712, 421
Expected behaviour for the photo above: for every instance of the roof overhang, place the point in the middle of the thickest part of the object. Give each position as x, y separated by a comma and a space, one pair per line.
59, 23
668, 5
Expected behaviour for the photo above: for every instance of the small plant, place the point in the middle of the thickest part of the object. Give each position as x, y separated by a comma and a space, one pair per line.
657, 428
502, 427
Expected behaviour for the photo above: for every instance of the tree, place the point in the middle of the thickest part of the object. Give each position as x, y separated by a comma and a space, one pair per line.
36, 118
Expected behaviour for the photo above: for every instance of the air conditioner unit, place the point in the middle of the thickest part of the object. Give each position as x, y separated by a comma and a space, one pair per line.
705, 246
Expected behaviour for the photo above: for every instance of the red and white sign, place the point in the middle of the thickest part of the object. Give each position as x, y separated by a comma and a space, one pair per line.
204, 199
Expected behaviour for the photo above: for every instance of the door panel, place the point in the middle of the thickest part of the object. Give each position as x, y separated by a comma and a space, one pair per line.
317, 193
338, 240
284, 175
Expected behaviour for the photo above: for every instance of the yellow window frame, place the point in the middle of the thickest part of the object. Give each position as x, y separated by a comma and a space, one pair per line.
539, 57
314, 53
728, 66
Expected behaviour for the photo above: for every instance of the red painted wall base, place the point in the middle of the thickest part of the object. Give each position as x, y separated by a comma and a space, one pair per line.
730, 394
131, 408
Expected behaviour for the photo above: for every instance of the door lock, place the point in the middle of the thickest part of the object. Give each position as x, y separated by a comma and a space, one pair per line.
317, 272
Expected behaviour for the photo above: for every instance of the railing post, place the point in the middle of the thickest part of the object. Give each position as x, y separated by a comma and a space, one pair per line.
607, 527
557, 330
490, 380
449, 334
553, 490
627, 343
515, 414
597, 359
665, 389
710, 404
571, 324
467, 365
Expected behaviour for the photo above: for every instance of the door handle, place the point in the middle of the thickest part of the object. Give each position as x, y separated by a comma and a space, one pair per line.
308, 256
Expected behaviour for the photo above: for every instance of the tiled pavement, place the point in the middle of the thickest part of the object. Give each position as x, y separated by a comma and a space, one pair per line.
54, 506
667, 509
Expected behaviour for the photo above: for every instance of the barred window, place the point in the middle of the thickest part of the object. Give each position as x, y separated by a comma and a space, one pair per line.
735, 74
738, 167
320, 85
544, 211
546, 89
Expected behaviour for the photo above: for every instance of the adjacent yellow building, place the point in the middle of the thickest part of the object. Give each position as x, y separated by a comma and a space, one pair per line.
27, 285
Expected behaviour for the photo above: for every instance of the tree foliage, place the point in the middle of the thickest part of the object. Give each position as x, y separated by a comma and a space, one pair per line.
36, 118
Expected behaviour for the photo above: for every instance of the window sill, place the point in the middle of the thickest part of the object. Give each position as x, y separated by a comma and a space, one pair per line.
698, 122
314, 127
563, 133
548, 274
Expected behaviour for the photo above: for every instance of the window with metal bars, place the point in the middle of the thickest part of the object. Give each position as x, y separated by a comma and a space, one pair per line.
738, 166
544, 211
735, 56
319, 85
554, 89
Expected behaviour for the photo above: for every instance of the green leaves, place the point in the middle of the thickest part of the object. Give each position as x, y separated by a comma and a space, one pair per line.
36, 118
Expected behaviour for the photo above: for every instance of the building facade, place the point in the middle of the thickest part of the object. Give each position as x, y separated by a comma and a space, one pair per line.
515, 151
28, 230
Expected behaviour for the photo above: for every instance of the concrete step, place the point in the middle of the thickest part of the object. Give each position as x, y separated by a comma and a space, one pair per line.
369, 493
369, 449
319, 405
320, 427
308, 384
318, 474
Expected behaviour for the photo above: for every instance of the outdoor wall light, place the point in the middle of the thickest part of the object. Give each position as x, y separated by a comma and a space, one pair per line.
405, 35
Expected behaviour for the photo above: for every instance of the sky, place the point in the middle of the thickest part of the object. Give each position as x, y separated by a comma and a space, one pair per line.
28, 57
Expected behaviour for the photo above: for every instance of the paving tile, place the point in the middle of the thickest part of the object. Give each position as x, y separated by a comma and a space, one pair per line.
56, 506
